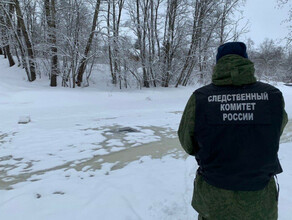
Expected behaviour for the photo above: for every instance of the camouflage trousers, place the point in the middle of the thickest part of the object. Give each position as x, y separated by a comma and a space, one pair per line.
213, 203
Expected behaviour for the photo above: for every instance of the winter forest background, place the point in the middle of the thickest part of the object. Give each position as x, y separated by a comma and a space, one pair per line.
143, 43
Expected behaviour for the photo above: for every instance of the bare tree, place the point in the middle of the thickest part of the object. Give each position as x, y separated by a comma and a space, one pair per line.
50, 8
5, 37
84, 60
269, 60
168, 42
202, 9
27, 42
162, 43
113, 29
282, 3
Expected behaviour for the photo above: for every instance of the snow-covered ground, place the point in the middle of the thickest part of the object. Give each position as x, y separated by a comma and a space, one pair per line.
101, 153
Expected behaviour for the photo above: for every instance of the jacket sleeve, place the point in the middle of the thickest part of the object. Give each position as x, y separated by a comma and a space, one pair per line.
285, 117
186, 131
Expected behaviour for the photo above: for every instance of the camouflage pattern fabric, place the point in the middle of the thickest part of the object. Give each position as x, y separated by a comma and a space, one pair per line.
213, 203
233, 70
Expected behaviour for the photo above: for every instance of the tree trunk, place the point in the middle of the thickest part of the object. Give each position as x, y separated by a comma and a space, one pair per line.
2, 33
141, 40
189, 63
83, 62
9, 55
51, 22
7, 48
151, 43
17, 56
113, 74
5, 54
30, 53
6, 38
169, 41
156, 29
115, 53
17, 34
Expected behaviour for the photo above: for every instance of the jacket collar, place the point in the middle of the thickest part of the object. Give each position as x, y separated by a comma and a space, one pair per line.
233, 70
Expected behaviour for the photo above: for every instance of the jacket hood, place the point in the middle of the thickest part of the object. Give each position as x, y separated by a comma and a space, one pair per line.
233, 70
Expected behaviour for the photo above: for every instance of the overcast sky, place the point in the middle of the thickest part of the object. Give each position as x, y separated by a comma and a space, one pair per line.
266, 20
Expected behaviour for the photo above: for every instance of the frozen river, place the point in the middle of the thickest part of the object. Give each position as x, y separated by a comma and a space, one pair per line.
124, 153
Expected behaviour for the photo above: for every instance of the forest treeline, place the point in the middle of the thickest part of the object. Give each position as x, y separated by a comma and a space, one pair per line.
148, 43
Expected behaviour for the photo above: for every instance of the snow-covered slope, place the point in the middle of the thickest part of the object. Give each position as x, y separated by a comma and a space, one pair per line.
100, 153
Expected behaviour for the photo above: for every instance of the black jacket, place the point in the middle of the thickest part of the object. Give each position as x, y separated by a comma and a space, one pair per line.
237, 129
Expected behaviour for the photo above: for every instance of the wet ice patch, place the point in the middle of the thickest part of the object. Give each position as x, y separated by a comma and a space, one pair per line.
287, 134
106, 167
117, 149
6, 138
143, 137
49, 148
114, 143
101, 152
120, 138
85, 147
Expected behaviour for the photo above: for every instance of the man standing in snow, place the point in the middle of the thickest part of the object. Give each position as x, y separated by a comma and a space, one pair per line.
233, 127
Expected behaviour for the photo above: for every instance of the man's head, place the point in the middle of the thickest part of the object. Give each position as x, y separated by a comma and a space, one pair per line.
237, 48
